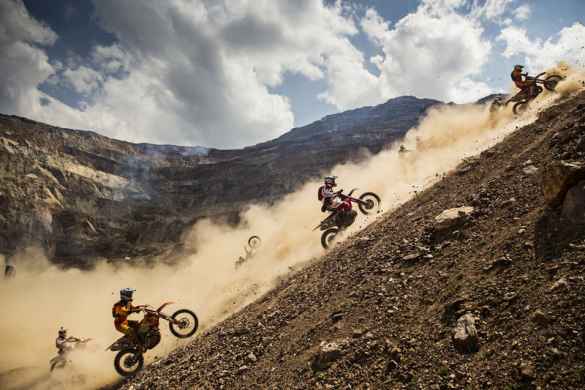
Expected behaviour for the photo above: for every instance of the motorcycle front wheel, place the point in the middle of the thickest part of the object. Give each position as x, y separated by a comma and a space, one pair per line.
551, 82
520, 107
370, 203
328, 236
187, 323
128, 362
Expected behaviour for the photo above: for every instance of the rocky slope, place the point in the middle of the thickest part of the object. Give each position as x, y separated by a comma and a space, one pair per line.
83, 196
489, 295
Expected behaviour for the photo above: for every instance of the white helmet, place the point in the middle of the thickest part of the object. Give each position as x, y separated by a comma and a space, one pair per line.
330, 181
126, 294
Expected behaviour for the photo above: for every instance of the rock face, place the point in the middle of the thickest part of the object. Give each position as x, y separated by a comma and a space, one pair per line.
559, 177
465, 337
82, 196
574, 203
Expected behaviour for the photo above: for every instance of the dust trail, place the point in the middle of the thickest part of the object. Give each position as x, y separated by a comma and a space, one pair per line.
42, 297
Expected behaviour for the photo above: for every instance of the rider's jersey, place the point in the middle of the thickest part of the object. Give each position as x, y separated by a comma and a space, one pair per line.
62, 344
326, 193
329, 198
120, 312
516, 76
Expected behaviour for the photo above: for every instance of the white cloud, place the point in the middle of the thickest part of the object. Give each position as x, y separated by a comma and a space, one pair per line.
522, 12
492, 9
434, 52
23, 65
567, 45
202, 72
83, 80
111, 59
502, 12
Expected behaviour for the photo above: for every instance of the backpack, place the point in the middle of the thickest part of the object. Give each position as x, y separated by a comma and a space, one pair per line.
320, 194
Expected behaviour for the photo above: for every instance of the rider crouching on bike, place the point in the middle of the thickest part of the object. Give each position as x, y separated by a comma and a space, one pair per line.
521, 82
328, 196
121, 310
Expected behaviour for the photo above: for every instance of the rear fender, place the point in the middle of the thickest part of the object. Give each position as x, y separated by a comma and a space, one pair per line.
120, 344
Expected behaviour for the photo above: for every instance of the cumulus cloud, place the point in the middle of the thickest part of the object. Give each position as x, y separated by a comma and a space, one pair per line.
83, 80
208, 68
111, 60
23, 65
203, 72
567, 45
522, 12
436, 52
492, 10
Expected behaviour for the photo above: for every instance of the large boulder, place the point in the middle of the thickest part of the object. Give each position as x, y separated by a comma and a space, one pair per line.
327, 353
559, 177
465, 338
574, 203
450, 220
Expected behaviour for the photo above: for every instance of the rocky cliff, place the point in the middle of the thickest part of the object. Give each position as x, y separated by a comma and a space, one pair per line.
82, 196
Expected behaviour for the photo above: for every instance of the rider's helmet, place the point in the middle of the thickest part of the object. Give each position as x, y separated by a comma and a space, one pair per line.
518, 67
330, 181
62, 332
126, 294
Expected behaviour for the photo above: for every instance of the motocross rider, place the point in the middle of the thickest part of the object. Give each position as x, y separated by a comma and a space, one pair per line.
121, 310
329, 197
520, 81
63, 343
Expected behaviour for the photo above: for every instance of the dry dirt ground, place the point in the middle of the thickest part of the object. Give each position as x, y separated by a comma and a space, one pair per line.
378, 311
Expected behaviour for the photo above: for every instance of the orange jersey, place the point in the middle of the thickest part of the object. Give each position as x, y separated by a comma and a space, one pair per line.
120, 312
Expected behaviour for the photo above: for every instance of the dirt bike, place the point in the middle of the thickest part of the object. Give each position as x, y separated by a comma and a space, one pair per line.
183, 324
344, 215
254, 243
61, 360
522, 98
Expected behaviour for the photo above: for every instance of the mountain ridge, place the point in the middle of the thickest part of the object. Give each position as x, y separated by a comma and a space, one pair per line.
82, 196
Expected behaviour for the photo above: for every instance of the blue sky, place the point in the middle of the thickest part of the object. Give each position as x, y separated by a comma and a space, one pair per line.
232, 73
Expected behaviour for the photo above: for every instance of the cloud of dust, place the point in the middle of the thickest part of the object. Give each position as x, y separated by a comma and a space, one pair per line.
42, 297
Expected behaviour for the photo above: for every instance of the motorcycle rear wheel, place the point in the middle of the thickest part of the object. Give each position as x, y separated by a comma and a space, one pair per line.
128, 362
189, 321
328, 236
520, 107
372, 203
254, 242
551, 82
